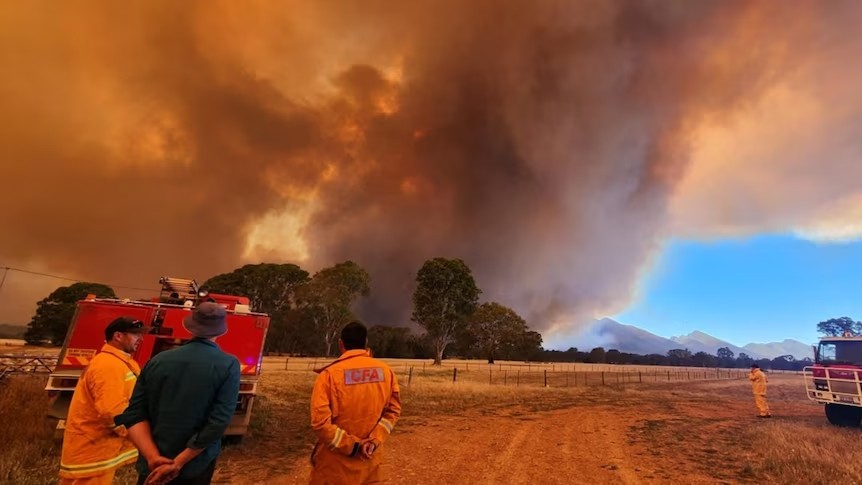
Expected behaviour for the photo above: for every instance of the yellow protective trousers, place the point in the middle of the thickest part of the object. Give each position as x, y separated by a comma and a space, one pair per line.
106, 478
762, 406
332, 468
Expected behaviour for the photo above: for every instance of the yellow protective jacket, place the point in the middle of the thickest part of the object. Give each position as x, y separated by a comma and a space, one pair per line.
758, 382
354, 398
92, 444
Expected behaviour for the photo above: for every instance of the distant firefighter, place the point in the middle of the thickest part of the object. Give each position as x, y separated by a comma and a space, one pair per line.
758, 387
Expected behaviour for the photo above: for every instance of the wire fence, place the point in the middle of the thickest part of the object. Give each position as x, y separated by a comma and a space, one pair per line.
26, 364
523, 374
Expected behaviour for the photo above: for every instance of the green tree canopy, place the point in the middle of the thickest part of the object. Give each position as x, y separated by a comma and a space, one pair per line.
743, 360
329, 295
54, 313
703, 359
390, 342
838, 327
679, 356
496, 329
725, 353
446, 295
530, 346
270, 289
597, 355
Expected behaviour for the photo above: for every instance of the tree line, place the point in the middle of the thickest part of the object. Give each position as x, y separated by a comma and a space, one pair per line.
724, 358
308, 311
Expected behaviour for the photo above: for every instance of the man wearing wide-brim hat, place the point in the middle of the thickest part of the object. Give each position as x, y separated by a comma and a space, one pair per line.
185, 397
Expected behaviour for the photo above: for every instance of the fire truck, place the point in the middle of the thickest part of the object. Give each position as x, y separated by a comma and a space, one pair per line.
178, 297
834, 379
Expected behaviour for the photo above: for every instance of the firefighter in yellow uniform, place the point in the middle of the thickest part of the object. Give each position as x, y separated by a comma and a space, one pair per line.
93, 448
758, 387
354, 406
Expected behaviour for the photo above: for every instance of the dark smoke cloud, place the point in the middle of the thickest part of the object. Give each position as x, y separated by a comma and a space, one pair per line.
540, 141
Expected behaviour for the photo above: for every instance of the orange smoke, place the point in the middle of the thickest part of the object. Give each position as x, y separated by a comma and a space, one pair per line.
550, 145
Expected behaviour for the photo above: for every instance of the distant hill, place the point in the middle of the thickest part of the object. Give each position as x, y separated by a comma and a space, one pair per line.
698, 341
8, 330
786, 347
610, 334
628, 338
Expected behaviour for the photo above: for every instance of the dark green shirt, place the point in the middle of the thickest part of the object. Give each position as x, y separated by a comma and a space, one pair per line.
188, 395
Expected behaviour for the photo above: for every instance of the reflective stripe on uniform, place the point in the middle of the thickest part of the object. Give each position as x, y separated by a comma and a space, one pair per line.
336, 440
100, 465
386, 424
130, 376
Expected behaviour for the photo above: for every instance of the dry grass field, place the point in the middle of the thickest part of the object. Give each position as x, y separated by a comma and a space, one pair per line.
682, 431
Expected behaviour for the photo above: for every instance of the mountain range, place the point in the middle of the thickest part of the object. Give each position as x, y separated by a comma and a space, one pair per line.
611, 334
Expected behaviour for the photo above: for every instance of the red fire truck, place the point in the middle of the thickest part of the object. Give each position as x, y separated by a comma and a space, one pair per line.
834, 379
244, 339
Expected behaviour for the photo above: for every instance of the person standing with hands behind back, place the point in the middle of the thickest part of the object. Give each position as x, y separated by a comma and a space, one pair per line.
183, 403
354, 406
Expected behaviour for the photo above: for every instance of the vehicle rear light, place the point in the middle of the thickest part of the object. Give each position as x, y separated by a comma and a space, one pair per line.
246, 386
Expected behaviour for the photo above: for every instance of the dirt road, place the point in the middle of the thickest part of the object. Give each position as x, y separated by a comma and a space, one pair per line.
636, 436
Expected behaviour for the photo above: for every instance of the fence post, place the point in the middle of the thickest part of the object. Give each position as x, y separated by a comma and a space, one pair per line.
505, 378
454, 374
640, 377
518, 378
546, 377
689, 375
286, 360
490, 381
567, 379
603, 378
410, 377
668, 375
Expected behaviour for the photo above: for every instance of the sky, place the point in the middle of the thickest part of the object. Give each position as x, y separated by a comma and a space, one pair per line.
752, 289
563, 150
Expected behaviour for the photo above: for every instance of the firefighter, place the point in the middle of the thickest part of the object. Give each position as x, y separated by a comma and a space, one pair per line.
354, 406
93, 447
758, 387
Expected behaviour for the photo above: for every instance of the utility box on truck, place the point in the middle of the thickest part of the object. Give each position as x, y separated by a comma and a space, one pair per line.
244, 340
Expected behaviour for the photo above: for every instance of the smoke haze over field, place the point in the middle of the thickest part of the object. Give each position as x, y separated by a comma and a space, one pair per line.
551, 145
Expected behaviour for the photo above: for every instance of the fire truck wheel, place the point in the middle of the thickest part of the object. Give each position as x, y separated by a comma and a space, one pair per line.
844, 416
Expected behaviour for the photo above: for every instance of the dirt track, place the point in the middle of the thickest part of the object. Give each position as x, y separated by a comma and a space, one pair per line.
640, 438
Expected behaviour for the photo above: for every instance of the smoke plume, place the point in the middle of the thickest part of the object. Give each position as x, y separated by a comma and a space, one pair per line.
545, 143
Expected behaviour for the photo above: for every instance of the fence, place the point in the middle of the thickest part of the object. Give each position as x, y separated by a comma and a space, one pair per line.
26, 364
518, 374
552, 378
